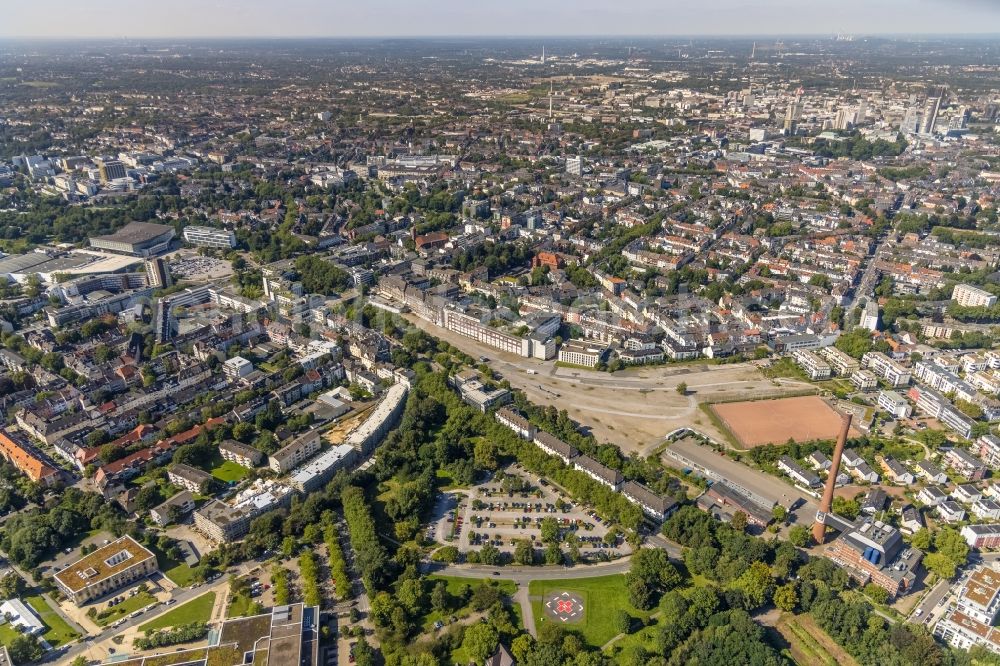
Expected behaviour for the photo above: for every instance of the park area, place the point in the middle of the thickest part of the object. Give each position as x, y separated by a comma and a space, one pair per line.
589, 606
198, 610
759, 422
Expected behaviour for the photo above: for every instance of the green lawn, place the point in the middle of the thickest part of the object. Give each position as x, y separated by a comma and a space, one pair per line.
602, 598
7, 634
228, 471
180, 573
241, 605
130, 605
198, 609
59, 632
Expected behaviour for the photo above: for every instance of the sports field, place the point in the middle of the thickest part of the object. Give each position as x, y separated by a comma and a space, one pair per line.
776, 421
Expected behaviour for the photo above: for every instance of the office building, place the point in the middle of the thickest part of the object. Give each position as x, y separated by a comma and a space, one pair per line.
874, 552
221, 239
107, 569
111, 170
281, 636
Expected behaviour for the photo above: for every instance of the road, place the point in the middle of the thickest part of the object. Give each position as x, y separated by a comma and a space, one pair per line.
866, 284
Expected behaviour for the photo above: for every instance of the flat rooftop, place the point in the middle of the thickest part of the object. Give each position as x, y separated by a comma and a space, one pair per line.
103, 563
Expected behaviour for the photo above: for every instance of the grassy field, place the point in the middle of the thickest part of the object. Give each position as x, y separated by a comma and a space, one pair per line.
130, 605
455, 587
810, 645
602, 598
228, 471
198, 609
59, 632
240, 605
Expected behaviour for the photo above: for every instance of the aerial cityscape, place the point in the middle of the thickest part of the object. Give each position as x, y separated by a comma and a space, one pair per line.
513, 349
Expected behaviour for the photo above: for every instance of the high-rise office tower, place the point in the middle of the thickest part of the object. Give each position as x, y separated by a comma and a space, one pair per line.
931, 107
158, 273
911, 121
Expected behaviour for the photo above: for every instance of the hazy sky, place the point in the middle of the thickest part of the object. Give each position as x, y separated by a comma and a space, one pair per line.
346, 18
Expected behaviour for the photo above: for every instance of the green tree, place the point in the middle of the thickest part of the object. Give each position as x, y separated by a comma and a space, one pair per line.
682, 388
786, 597
799, 535
523, 552
876, 593
739, 521
480, 641
921, 539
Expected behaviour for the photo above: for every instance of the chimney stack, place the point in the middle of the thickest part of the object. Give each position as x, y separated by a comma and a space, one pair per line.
819, 527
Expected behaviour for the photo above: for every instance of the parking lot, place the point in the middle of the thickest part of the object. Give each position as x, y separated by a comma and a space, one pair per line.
195, 266
502, 511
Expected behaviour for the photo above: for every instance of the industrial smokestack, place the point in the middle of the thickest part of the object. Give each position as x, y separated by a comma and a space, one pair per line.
819, 527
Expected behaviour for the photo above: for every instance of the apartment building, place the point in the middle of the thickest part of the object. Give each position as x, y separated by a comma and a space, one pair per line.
554, 446
225, 523
189, 478
864, 380
965, 464
816, 368
797, 473
583, 353
655, 506
840, 362
240, 453
969, 296
109, 568
989, 450
895, 471
983, 537
892, 372
603, 474
895, 404
295, 453
514, 421
969, 619
179, 505
16, 449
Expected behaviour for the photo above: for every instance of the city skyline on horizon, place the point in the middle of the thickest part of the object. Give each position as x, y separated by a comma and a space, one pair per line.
450, 18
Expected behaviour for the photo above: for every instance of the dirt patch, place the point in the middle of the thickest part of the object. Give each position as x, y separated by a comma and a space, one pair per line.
760, 422
810, 645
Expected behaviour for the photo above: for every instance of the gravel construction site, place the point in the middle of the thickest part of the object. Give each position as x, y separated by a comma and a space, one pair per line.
634, 408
